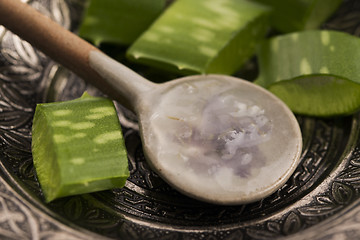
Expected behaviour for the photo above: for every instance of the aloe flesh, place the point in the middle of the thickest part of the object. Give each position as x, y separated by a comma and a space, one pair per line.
202, 36
118, 21
78, 147
298, 15
314, 72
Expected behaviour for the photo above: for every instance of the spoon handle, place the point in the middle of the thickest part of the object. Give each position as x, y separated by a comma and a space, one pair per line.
69, 50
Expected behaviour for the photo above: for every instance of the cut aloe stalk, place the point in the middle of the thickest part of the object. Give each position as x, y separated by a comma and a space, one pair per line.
314, 72
298, 15
202, 36
78, 147
118, 21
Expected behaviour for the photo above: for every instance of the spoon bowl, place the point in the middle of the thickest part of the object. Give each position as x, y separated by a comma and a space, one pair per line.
221, 139
216, 138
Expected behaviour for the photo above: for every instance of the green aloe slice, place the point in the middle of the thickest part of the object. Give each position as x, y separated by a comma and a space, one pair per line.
78, 147
118, 21
298, 15
314, 72
202, 36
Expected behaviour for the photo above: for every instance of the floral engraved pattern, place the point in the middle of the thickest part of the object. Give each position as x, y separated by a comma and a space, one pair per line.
18, 221
16, 218
21, 68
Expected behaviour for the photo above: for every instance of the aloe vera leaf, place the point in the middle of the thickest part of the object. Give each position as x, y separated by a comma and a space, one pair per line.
314, 72
202, 36
118, 21
298, 15
78, 147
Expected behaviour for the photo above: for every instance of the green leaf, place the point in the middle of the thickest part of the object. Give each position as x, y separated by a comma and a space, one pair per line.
202, 36
298, 15
118, 21
78, 147
314, 72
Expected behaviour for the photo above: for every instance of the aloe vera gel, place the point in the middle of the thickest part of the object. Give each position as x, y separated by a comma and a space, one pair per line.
78, 147
227, 142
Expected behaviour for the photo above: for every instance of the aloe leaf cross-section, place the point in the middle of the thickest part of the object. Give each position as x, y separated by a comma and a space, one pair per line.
78, 147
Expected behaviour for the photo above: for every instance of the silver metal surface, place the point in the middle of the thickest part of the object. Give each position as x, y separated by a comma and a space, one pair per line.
320, 201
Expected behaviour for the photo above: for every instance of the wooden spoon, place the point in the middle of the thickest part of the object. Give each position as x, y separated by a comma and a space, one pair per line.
216, 138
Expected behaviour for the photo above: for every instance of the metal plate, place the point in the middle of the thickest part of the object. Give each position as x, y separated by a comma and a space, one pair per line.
320, 201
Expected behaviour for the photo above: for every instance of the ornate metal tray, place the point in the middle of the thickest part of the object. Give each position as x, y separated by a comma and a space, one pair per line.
320, 201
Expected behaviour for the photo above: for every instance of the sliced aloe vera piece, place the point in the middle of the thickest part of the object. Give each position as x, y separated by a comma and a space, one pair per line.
202, 36
314, 72
78, 147
298, 15
118, 21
